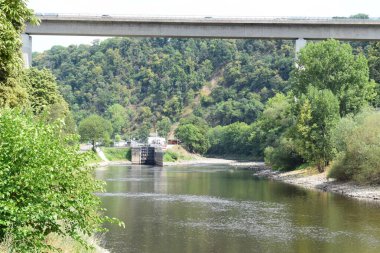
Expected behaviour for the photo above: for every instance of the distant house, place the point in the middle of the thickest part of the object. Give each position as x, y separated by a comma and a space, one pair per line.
173, 142
120, 144
134, 144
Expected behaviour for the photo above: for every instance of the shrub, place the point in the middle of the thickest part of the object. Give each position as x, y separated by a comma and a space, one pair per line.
283, 156
359, 159
45, 186
170, 156
193, 138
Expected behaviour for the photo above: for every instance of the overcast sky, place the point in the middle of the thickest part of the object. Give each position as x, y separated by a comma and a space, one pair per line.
314, 8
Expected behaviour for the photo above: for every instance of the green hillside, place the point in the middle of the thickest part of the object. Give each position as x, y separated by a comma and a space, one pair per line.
158, 80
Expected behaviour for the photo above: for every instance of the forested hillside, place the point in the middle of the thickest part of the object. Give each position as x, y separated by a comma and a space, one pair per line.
143, 85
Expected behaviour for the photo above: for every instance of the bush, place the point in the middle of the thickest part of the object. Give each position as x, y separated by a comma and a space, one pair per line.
170, 156
193, 138
176, 154
45, 186
359, 159
231, 139
283, 156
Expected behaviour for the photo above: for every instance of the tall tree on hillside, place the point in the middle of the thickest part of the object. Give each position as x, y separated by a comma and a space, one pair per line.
13, 15
42, 89
332, 65
117, 115
194, 138
374, 68
45, 98
163, 126
318, 113
94, 128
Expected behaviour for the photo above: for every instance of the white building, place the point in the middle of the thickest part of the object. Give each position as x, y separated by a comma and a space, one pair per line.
156, 141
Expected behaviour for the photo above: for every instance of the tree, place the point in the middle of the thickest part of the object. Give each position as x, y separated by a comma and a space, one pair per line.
13, 15
45, 185
271, 134
226, 81
94, 128
164, 126
360, 16
273, 123
117, 115
42, 89
194, 138
374, 68
143, 132
318, 114
331, 65
358, 140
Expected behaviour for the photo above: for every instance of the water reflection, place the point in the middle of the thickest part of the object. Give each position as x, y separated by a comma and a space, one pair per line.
219, 209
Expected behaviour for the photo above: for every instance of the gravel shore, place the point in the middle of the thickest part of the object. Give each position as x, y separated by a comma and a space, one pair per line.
312, 180
201, 161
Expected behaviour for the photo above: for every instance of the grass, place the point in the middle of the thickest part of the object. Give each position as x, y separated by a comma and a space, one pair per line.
94, 159
177, 154
65, 244
117, 154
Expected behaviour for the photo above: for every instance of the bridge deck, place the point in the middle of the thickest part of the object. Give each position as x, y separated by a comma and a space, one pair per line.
207, 27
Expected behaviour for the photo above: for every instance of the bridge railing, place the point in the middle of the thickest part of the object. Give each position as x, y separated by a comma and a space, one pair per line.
211, 17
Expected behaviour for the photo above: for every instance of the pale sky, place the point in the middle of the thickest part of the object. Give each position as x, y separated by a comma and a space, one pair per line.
235, 8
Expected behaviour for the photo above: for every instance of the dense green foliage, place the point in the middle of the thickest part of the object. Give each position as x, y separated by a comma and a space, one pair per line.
13, 15
231, 139
374, 69
45, 185
156, 80
94, 128
318, 112
173, 156
358, 142
243, 97
332, 65
329, 81
45, 99
272, 130
192, 132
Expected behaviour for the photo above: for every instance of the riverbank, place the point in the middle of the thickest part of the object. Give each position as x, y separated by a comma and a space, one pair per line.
306, 178
311, 179
66, 245
110, 163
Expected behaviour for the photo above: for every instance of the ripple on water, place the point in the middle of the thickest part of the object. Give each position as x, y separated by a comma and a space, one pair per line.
129, 179
263, 220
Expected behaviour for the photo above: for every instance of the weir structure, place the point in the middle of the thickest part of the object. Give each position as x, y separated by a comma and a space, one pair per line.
293, 28
147, 155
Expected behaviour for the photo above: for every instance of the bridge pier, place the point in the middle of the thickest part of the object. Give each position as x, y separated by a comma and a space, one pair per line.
27, 49
300, 43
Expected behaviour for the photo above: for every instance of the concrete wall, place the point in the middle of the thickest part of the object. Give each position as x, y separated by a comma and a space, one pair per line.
136, 156
158, 157
147, 155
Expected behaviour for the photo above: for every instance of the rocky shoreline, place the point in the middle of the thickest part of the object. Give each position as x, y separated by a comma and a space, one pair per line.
310, 179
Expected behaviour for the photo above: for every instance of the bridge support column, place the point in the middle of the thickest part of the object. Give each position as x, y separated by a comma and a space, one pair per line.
27, 49
300, 43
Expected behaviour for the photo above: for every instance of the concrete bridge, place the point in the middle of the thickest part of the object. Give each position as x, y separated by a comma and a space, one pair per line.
299, 29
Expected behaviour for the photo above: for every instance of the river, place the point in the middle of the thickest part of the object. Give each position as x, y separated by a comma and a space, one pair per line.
216, 208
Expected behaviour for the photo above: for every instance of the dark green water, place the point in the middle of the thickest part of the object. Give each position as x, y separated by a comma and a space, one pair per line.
219, 209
